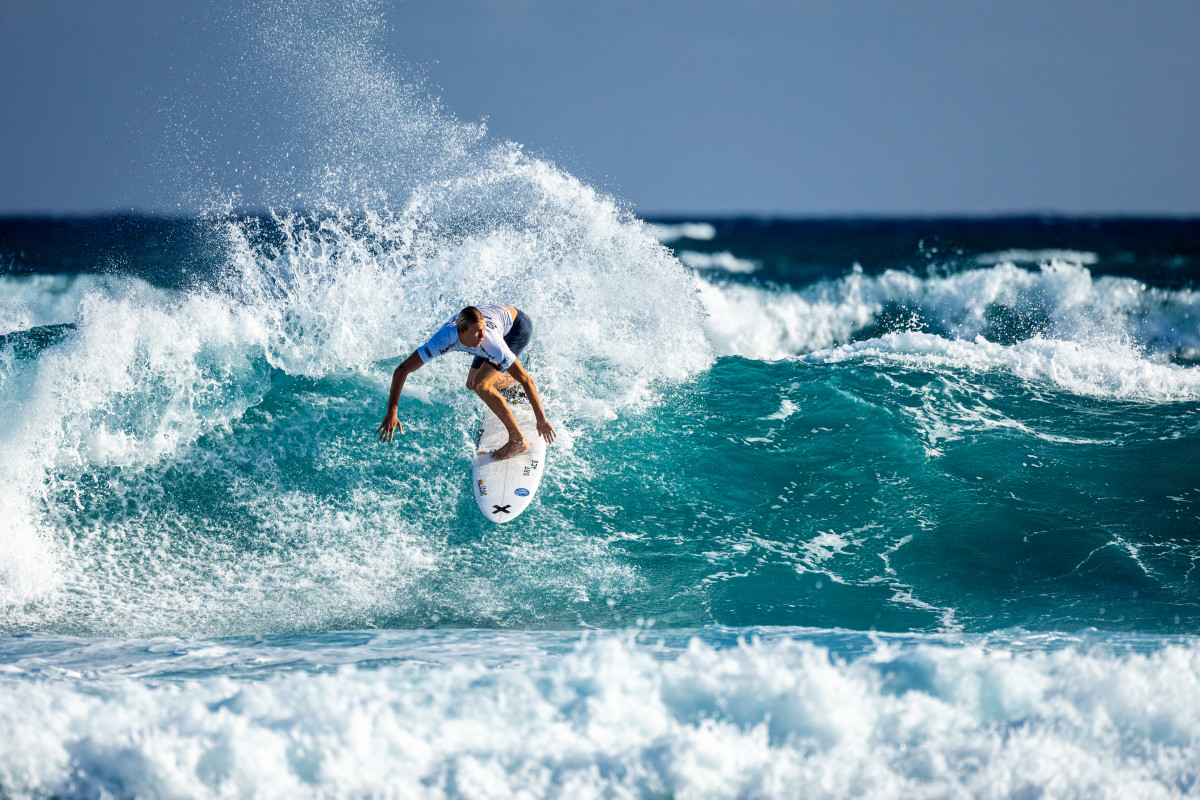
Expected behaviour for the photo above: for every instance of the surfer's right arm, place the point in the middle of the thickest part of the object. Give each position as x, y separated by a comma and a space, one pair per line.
391, 422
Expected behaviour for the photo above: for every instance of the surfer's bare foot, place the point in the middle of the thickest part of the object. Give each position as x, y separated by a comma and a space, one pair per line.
511, 449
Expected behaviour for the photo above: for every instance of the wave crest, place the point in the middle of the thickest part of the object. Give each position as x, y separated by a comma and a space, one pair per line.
1106, 336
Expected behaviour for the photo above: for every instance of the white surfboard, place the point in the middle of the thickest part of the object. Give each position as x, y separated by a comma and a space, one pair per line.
505, 488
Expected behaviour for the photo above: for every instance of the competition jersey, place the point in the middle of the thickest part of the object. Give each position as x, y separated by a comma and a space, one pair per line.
497, 322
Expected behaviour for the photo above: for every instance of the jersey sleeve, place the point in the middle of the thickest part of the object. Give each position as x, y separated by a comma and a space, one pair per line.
442, 342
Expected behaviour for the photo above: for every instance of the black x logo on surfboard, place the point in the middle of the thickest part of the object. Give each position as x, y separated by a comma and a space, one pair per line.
500, 509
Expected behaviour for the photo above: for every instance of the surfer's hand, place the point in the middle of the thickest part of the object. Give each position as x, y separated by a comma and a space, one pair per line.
545, 430
389, 425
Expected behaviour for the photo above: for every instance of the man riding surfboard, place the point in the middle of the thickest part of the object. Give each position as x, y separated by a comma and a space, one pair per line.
495, 335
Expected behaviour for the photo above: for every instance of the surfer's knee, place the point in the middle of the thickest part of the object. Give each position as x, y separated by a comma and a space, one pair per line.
473, 379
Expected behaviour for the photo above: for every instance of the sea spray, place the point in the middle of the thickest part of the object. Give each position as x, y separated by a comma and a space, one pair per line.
414, 213
190, 431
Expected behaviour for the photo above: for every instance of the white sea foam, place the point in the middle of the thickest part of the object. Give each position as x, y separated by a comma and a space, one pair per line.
724, 260
1037, 257
770, 324
29, 301
141, 376
614, 718
1107, 337
1100, 371
347, 290
698, 231
786, 409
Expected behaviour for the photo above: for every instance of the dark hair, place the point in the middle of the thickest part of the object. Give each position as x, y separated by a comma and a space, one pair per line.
467, 317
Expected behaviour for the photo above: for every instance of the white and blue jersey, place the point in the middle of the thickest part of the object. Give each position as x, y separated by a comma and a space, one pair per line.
497, 323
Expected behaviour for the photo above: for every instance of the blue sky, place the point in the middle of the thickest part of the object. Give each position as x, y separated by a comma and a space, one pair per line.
789, 108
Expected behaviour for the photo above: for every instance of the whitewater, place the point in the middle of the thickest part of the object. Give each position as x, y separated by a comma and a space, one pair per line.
838, 508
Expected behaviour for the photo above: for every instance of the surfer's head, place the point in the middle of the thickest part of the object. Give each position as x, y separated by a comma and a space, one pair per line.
470, 326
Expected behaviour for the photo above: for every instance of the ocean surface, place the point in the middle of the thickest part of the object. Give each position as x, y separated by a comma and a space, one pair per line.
838, 508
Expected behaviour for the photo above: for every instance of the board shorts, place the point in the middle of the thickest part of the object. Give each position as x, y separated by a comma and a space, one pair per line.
517, 337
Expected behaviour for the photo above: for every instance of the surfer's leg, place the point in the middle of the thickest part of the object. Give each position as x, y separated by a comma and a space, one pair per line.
503, 379
483, 382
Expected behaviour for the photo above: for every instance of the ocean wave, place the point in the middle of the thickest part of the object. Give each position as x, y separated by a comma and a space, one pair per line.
113, 412
1060, 311
613, 716
139, 377
416, 215
1100, 371
723, 260
422, 214
31, 301
698, 231
1038, 257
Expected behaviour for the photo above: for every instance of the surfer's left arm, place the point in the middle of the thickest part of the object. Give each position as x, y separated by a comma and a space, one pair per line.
544, 428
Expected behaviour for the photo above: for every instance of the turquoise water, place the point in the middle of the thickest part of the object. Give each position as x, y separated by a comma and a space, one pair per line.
871, 487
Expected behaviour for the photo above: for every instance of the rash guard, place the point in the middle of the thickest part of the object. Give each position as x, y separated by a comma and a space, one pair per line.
497, 322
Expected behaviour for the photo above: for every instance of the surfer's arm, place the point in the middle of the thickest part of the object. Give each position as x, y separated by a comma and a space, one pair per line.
544, 428
391, 422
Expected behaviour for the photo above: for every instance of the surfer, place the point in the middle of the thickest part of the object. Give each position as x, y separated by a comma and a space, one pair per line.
495, 335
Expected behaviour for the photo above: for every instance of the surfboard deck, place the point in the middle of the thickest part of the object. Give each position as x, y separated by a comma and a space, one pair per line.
503, 489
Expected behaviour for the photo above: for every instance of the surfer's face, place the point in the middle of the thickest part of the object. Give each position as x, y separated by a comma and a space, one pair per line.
472, 336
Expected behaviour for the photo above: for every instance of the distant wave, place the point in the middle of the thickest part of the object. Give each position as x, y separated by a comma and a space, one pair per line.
1036, 257
699, 231
1103, 371
724, 260
1107, 336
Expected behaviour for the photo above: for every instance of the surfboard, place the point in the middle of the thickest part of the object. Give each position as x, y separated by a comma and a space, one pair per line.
505, 488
